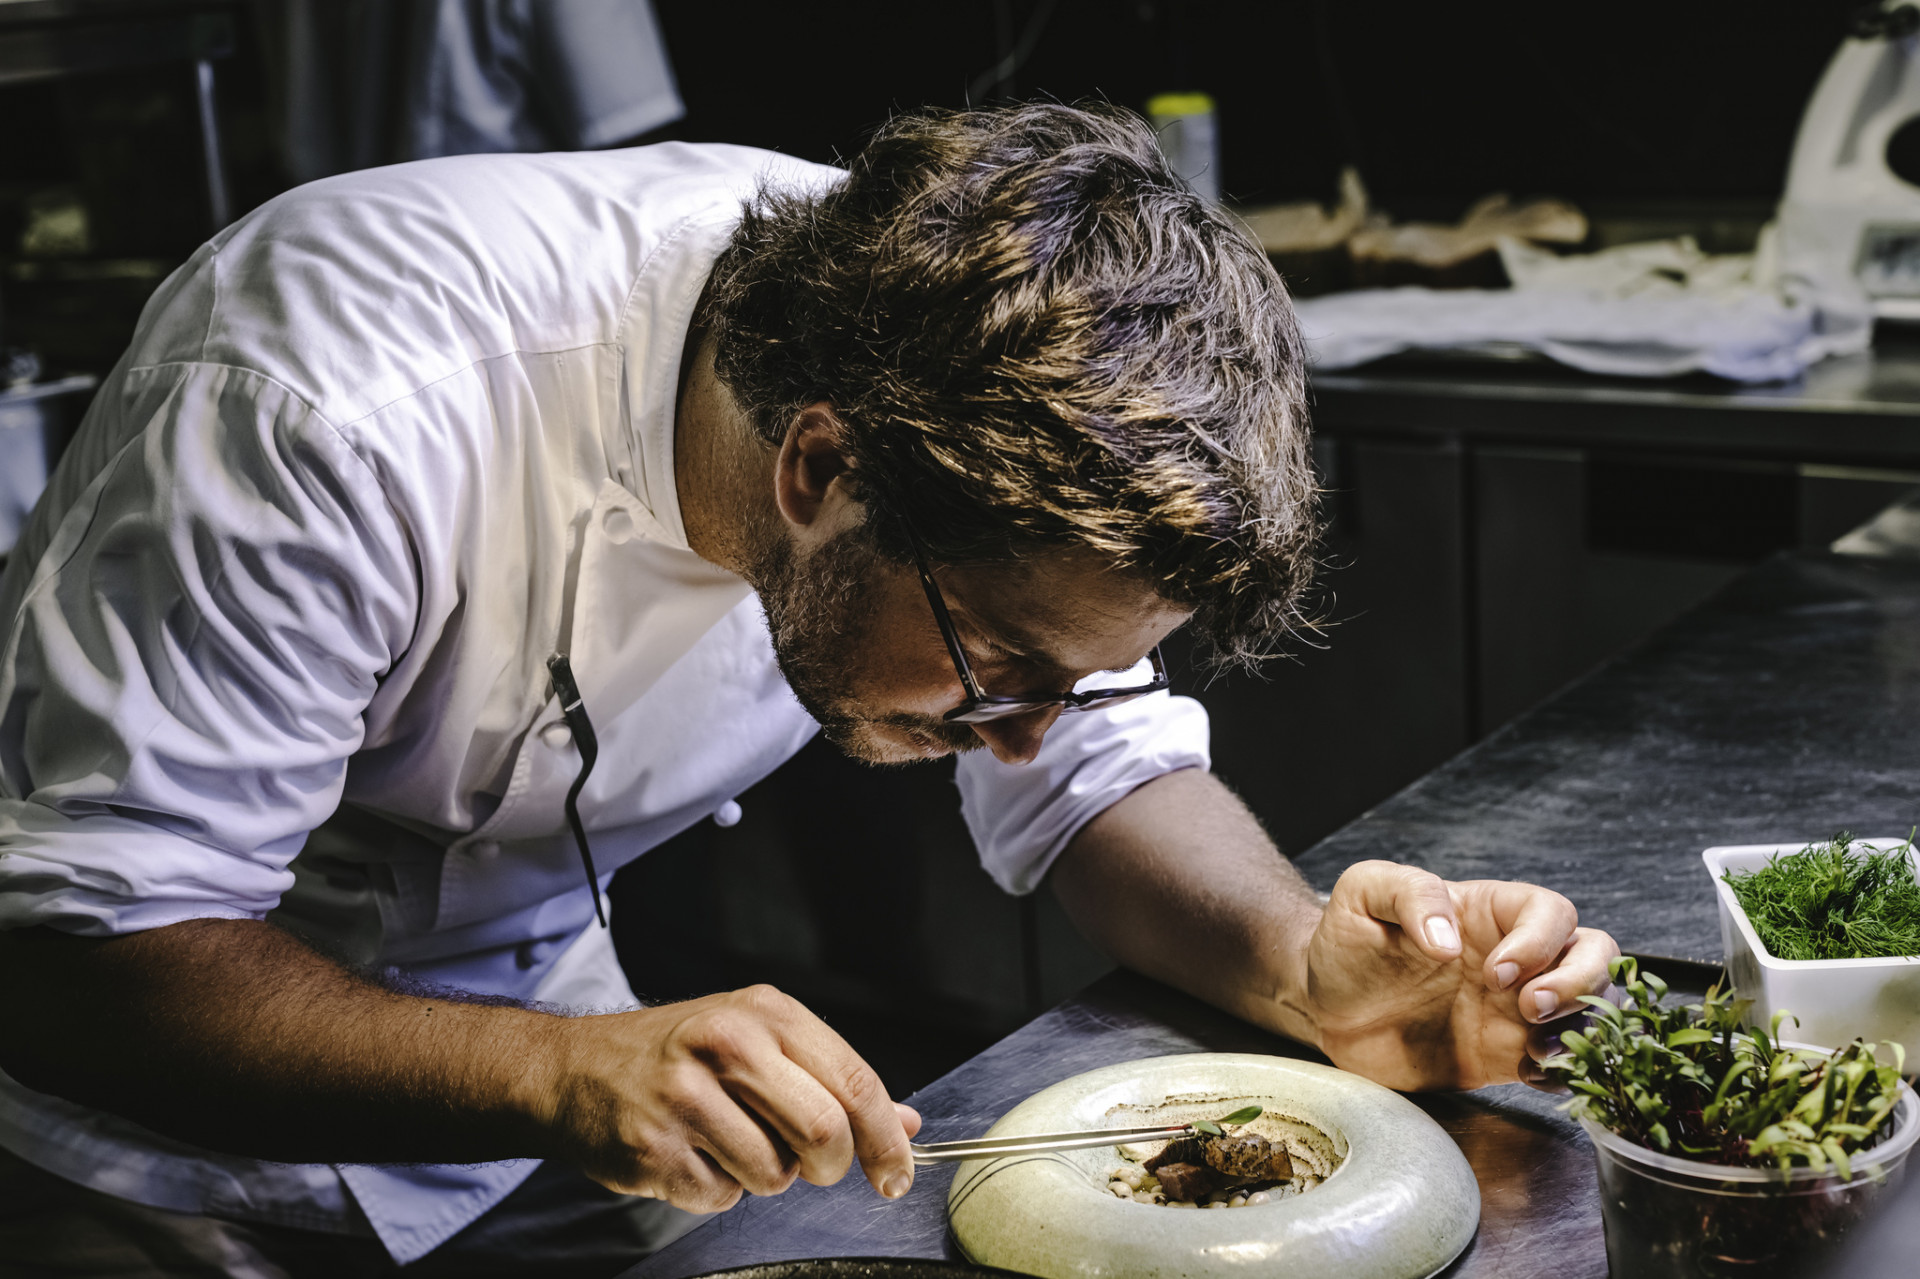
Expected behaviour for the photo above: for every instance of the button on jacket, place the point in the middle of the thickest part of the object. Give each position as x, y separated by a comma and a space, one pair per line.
275, 640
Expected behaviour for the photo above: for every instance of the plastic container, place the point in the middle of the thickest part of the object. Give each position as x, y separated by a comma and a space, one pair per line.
1190, 139
1670, 1218
1835, 1000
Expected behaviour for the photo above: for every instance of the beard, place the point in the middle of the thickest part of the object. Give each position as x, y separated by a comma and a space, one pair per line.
819, 614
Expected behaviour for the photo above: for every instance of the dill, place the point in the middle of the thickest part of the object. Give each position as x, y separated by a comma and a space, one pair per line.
1829, 902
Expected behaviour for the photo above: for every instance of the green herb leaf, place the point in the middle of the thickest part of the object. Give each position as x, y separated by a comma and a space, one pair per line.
1829, 901
1244, 1115
1690, 1079
1208, 1127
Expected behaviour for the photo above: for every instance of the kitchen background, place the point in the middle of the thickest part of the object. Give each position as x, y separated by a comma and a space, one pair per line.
1465, 586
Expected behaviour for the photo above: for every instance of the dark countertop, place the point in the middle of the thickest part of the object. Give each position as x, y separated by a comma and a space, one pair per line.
1785, 708
1863, 409
1516, 1139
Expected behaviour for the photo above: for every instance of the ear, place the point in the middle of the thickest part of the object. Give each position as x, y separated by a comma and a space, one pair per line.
812, 457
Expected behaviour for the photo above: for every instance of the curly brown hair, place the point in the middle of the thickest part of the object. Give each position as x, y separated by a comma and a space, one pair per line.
1037, 336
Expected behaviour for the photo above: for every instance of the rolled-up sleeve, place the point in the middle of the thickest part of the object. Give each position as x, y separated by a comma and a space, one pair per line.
1023, 815
188, 655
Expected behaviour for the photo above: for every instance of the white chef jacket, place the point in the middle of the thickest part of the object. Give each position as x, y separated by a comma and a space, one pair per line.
275, 639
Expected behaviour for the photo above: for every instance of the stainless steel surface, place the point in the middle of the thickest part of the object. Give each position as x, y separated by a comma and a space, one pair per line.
1860, 409
1882, 382
948, 1152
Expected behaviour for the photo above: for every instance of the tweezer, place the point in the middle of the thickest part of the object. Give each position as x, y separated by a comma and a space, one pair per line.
946, 1152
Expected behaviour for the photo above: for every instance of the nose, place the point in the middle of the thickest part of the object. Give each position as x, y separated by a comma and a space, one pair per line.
1016, 739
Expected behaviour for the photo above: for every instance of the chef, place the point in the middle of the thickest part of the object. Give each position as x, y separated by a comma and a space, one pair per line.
453, 533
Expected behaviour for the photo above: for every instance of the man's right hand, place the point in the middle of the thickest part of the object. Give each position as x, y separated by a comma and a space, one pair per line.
696, 1102
232, 1035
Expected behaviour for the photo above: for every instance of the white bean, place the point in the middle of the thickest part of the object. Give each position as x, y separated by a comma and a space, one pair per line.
1181, 1203
1238, 1201
1121, 1189
1133, 1176
1142, 1197
1257, 1197
1215, 1203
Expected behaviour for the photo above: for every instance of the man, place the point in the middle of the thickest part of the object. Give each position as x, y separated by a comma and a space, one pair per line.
451, 527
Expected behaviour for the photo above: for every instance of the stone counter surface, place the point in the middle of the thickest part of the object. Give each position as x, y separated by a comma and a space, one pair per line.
1785, 709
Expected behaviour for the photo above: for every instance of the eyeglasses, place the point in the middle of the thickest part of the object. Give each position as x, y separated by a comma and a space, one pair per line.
979, 707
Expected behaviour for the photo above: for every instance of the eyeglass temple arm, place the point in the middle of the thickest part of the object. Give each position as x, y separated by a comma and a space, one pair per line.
945, 620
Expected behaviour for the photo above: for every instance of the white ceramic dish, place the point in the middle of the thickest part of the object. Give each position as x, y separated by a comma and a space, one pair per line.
1401, 1204
1834, 999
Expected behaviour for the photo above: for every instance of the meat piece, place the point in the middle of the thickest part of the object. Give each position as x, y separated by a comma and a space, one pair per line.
1188, 1181
1183, 1150
1247, 1159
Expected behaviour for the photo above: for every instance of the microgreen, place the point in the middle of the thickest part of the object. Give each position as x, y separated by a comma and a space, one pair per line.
1213, 1127
1829, 902
1689, 1082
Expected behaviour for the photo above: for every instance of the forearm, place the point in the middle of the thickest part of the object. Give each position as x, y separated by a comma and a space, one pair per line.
1178, 881
233, 1035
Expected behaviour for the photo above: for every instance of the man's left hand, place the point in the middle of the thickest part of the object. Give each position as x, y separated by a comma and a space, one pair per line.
1421, 983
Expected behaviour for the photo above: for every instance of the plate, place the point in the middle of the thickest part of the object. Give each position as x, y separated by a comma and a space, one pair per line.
1401, 1203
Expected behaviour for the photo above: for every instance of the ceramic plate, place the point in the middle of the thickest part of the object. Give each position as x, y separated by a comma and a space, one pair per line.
1399, 1200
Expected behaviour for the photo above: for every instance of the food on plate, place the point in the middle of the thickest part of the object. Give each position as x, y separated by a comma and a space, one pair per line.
1197, 1167
1222, 1165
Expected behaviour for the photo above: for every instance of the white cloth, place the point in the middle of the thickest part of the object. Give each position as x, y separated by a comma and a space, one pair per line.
521, 75
375, 81
1658, 309
275, 639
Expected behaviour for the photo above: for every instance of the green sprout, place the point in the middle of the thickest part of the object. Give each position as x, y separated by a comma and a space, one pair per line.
1688, 1081
1828, 902
1213, 1127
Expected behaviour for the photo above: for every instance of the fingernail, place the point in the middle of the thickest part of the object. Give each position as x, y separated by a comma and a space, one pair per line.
1504, 972
898, 1184
1546, 1001
1441, 933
